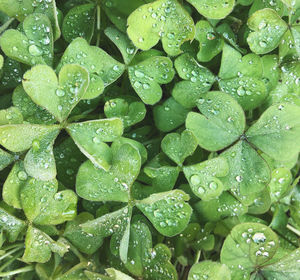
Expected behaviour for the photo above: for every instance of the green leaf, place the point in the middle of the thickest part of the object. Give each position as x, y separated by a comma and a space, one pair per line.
130, 110
169, 115
89, 137
11, 115
248, 171
147, 76
44, 206
113, 185
223, 206
248, 246
209, 270
1, 61
117, 275
178, 147
268, 29
34, 46
276, 130
58, 95
285, 269
168, 211
123, 43
11, 73
210, 44
222, 122
79, 22
163, 20
39, 161
14, 182
5, 159
86, 243
38, 246
198, 80
203, 177
11, 225
10, 135
103, 69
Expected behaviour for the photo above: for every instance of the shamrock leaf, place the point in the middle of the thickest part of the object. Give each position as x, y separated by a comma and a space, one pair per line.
163, 19
114, 274
21, 10
178, 147
5, 159
209, 270
43, 205
38, 246
90, 137
79, 22
203, 177
34, 46
248, 246
147, 76
103, 69
198, 80
113, 185
169, 115
214, 9
58, 95
11, 73
10, 135
166, 211
39, 161
210, 43
276, 130
11, 225
268, 29
222, 122
127, 108
248, 171
86, 243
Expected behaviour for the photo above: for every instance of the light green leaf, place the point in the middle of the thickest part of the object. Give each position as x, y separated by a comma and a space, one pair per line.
14, 182
117, 275
11, 115
113, 185
277, 132
123, 43
38, 246
89, 137
147, 76
58, 95
178, 147
248, 246
34, 46
163, 20
11, 225
168, 211
10, 135
44, 206
198, 80
103, 69
222, 122
248, 171
203, 177
268, 29
209, 270
169, 115
213, 9
79, 22
39, 161
5, 159
210, 43
1, 61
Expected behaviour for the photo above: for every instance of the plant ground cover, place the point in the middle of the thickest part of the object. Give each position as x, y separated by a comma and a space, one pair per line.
150, 139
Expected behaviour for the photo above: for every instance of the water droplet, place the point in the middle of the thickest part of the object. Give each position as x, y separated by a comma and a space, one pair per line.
139, 74
239, 178
34, 50
195, 179
259, 237
22, 175
60, 92
263, 44
96, 140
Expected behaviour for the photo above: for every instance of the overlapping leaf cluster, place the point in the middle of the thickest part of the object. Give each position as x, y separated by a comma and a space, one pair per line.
149, 139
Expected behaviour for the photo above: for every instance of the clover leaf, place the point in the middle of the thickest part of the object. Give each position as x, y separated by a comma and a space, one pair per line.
147, 76
164, 20
58, 95
34, 46
5, 159
209, 270
198, 80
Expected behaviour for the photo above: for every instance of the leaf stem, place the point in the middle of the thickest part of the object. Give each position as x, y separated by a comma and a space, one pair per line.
98, 26
9, 253
17, 271
10, 261
294, 230
6, 25
197, 256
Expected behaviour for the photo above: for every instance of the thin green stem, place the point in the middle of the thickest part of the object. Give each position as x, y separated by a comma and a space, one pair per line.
197, 257
17, 271
6, 25
98, 26
294, 230
2, 267
9, 253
